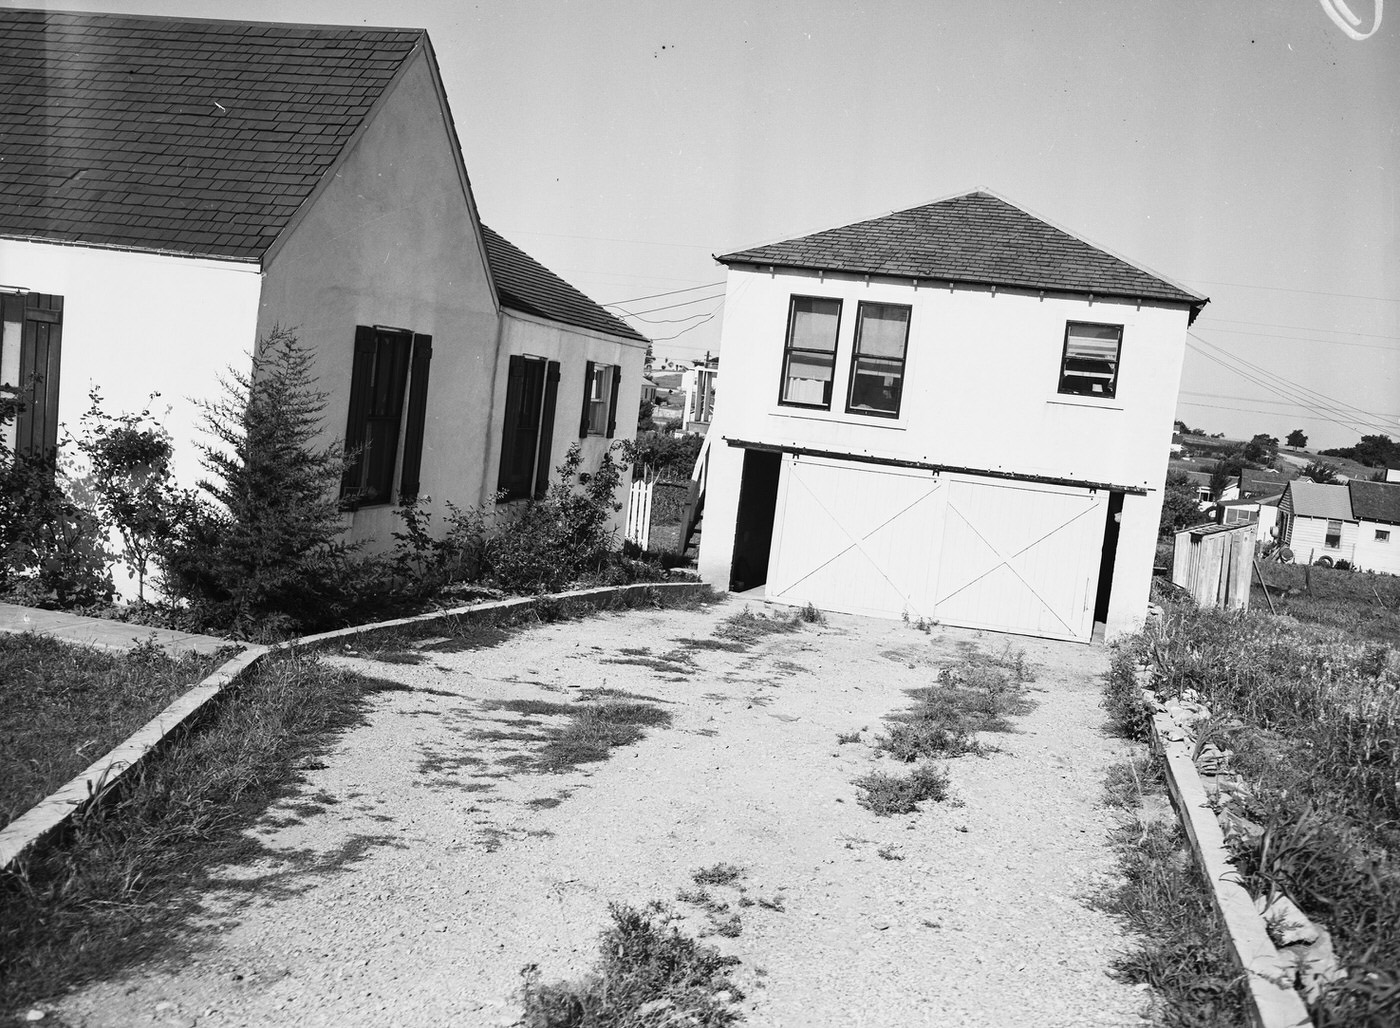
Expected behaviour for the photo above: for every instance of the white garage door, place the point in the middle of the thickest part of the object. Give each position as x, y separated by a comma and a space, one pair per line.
977, 552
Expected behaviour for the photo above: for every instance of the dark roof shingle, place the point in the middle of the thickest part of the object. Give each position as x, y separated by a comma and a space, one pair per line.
193, 136
976, 238
1375, 501
527, 285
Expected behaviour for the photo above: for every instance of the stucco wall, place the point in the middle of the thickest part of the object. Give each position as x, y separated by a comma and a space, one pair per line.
1372, 555
136, 323
979, 392
391, 241
573, 348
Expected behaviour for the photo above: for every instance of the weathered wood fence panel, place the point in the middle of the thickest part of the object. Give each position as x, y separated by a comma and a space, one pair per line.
1213, 563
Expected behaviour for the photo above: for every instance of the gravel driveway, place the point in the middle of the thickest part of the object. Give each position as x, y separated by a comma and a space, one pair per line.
424, 864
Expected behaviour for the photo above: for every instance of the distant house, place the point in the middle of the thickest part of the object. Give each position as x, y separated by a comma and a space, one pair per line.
1376, 508
1317, 521
699, 382
1205, 498
174, 189
958, 412
1255, 483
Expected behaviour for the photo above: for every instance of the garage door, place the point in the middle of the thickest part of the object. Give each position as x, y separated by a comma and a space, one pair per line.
1020, 557
855, 538
977, 552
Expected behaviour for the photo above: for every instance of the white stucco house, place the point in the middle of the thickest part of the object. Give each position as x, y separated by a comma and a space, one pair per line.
957, 412
173, 189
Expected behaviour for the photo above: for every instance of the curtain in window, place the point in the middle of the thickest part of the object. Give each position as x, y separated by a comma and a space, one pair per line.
1091, 360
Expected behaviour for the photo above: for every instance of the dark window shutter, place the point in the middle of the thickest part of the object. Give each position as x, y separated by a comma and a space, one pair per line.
587, 398
361, 380
417, 416
612, 401
515, 380
41, 336
543, 460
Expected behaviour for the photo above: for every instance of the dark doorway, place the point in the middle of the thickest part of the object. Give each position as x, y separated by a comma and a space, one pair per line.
753, 527
1110, 551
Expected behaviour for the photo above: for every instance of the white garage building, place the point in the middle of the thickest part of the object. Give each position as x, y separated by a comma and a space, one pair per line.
956, 412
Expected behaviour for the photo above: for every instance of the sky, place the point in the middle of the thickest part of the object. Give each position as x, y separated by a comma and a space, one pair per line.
1248, 151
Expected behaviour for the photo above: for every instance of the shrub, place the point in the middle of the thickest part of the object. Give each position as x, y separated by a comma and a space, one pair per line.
667, 456
886, 794
260, 548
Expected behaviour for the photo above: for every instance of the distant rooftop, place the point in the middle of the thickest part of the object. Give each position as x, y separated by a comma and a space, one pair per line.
1314, 500
976, 238
174, 134
527, 285
1375, 501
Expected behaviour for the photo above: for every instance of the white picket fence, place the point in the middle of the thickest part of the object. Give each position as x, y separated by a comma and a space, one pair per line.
638, 529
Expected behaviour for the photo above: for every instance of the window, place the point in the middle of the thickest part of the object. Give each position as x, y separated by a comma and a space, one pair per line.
809, 358
1090, 363
1333, 539
600, 382
388, 380
877, 368
532, 388
1382, 535
31, 337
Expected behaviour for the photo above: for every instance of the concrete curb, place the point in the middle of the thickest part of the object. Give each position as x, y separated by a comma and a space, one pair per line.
1274, 1003
51, 813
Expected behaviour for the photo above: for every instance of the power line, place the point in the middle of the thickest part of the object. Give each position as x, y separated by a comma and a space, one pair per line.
1254, 410
662, 339
673, 292
671, 307
674, 321
1299, 328
1303, 339
1308, 292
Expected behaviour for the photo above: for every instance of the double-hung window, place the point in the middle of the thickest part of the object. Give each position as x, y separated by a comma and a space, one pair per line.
1333, 539
1089, 366
809, 358
877, 366
1382, 535
600, 384
388, 401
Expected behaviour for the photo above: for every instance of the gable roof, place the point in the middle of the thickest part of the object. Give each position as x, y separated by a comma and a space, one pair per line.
190, 136
976, 238
528, 286
1255, 483
1314, 500
1375, 501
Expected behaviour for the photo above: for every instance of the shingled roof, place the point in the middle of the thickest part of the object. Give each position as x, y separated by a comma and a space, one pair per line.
525, 284
191, 136
1375, 501
976, 238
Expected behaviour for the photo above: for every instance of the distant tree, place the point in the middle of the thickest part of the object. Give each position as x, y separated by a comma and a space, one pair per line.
1220, 476
644, 416
1179, 506
1320, 471
1297, 439
1262, 450
1377, 451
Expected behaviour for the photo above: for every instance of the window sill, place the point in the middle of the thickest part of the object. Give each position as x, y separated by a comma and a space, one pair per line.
1086, 401
837, 417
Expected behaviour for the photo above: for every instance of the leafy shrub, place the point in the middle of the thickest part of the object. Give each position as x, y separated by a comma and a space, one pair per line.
670, 457
886, 794
259, 550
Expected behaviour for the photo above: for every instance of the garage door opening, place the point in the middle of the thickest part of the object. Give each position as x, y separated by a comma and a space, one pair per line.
753, 528
1110, 550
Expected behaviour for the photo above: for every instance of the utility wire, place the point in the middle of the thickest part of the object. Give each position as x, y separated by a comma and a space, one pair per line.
1304, 339
1308, 292
662, 339
673, 306
673, 292
1298, 328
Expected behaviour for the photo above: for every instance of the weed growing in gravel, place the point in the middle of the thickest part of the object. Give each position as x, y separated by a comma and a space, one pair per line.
776, 903
648, 973
591, 731
120, 886
747, 626
842, 738
890, 852
719, 874
810, 615
730, 927
886, 794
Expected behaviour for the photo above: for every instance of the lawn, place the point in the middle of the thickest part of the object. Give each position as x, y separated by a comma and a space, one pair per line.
64, 706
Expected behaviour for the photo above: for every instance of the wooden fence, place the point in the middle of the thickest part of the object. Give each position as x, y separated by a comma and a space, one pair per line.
1213, 563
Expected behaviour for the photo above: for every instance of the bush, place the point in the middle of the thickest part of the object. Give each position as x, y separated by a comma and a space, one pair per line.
667, 456
260, 550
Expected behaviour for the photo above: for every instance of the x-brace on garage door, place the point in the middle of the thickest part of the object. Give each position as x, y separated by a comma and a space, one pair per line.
1007, 555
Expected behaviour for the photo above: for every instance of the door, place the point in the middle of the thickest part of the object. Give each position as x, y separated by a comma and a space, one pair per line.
855, 538
1020, 557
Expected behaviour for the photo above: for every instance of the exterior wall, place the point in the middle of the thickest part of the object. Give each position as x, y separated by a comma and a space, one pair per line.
1378, 556
1307, 540
980, 392
138, 323
573, 348
392, 240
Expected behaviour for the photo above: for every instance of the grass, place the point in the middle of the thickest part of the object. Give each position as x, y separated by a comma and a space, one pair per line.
747, 626
123, 885
64, 706
1310, 712
647, 973
579, 733
719, 874
1365, 605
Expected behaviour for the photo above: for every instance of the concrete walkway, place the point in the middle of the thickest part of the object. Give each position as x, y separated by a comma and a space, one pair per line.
102, 633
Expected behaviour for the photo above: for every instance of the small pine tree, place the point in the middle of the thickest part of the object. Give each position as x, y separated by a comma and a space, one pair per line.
262, 551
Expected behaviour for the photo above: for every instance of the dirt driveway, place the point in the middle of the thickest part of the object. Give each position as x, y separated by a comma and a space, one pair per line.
425, 862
